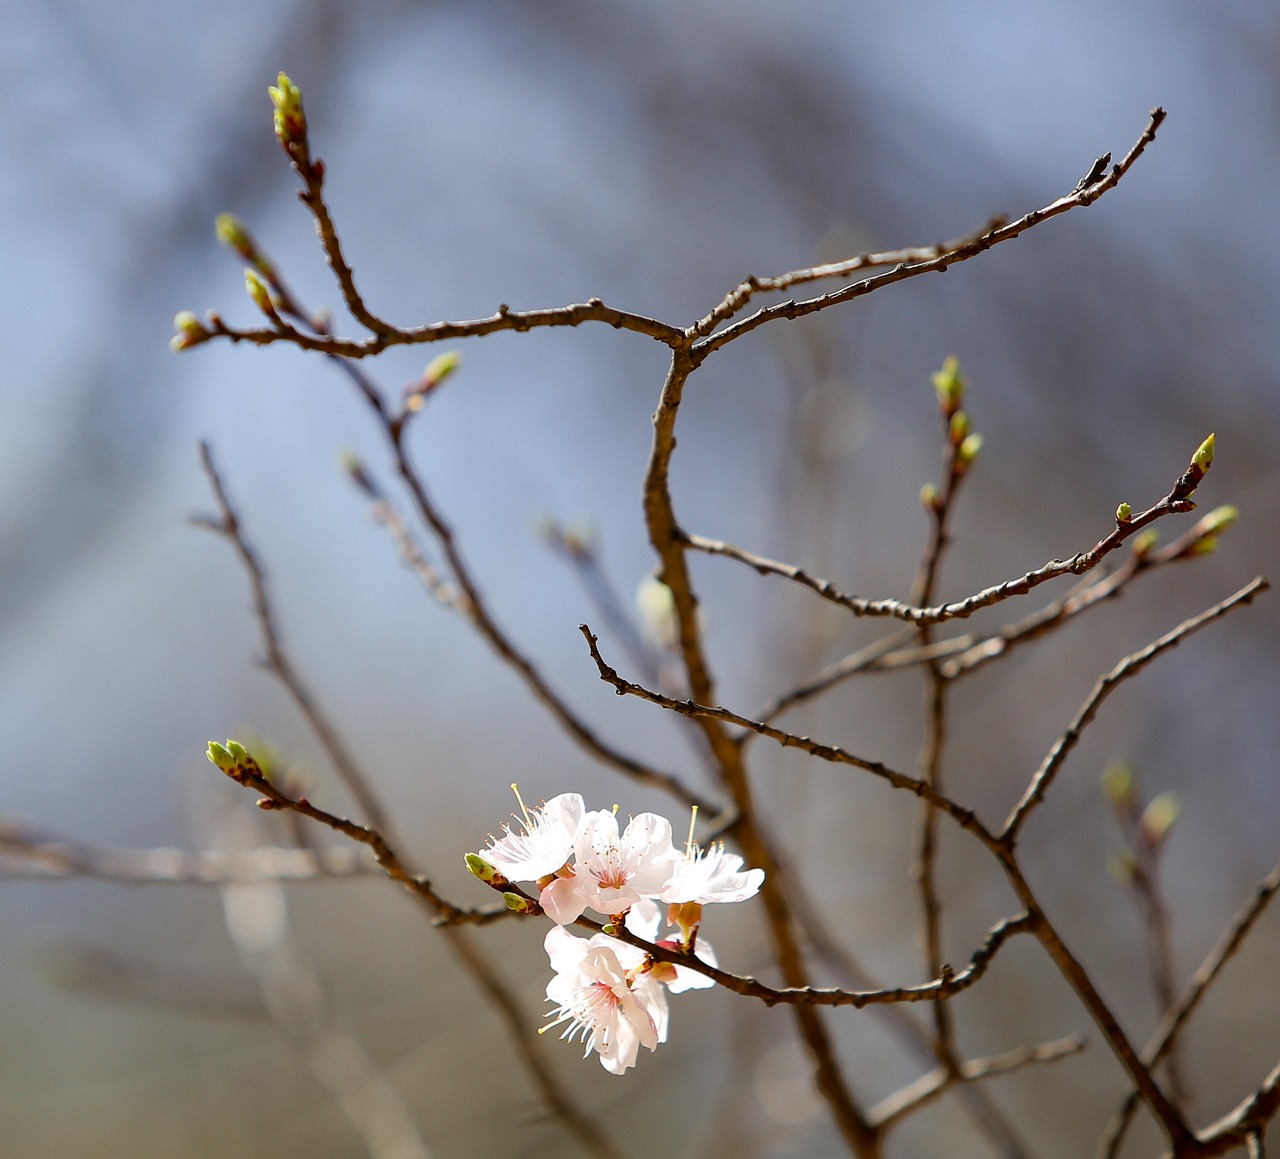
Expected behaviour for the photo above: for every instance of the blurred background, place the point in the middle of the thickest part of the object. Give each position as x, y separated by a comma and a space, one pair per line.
538, 153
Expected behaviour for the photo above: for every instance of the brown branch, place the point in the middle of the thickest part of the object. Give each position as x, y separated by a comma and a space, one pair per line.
742, 293
1084, 194
730, 763
505, 319
928, 1087
277, 660
1176, 502
1129, 667
965, 818
1175, 1018
49, 859
517, 1023
1244, 1126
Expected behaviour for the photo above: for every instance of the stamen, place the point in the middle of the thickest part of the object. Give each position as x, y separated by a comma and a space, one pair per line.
528, 821
693, 820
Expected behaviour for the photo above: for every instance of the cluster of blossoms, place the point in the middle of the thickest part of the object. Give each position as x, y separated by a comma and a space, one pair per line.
609, 994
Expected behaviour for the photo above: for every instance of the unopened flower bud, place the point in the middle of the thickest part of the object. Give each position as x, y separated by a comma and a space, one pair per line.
485, 871
1124, 513
958, 428
237, 752
1218, 520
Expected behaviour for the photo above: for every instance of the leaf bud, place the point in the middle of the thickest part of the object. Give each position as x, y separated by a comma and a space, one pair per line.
1118, 785
289, 119
233, 234
520, 905
439, 368
929, 497
958, 428
949, 384
968, 450
485, 870
1124, 513
220, 757
1159, 817
1203, 458
1145, 542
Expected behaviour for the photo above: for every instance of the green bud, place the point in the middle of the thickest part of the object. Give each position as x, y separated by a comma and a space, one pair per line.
1218, 520
289, 119
1124, 513
1159, 817
609, 928
485, 871
929, 497
238, 752
1203, 458
221, 758
1121, 866
1118, 784
258, 291
518, 904
958, 427
968, 450
439, 368
1145, 541
185, 322
231, 232
949, 384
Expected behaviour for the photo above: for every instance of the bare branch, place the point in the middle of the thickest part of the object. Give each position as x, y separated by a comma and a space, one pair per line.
1176, 1017
1129, 667
965, 818
48, 859
277, 660
928, 1087
975, 245
505, 319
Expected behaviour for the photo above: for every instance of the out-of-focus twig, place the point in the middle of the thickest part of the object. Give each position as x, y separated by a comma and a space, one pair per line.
937, 1082
1129, 667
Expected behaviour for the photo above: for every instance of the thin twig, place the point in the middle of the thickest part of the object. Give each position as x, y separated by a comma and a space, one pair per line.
473, 962
965, 818
1084, 194
1176, 502
729, 760
1166, 1034
1129, 667
47, 859
505, 319
937, 1082
276, 658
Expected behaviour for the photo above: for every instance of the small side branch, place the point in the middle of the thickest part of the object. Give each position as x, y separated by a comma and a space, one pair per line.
1129, 667
965, 818
1171, 1025
1085, 193
937, 1082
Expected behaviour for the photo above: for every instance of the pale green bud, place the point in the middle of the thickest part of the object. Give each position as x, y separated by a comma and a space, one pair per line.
289, 118
958, 428
1118, 784
1203, 458
929, 497
1218, 520
1145, 541
485, 871
1124, 513
258, 291
1159, 817
518, 904
238, 752
221, 758
440, 367
949, 384
968, 450
231, 232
